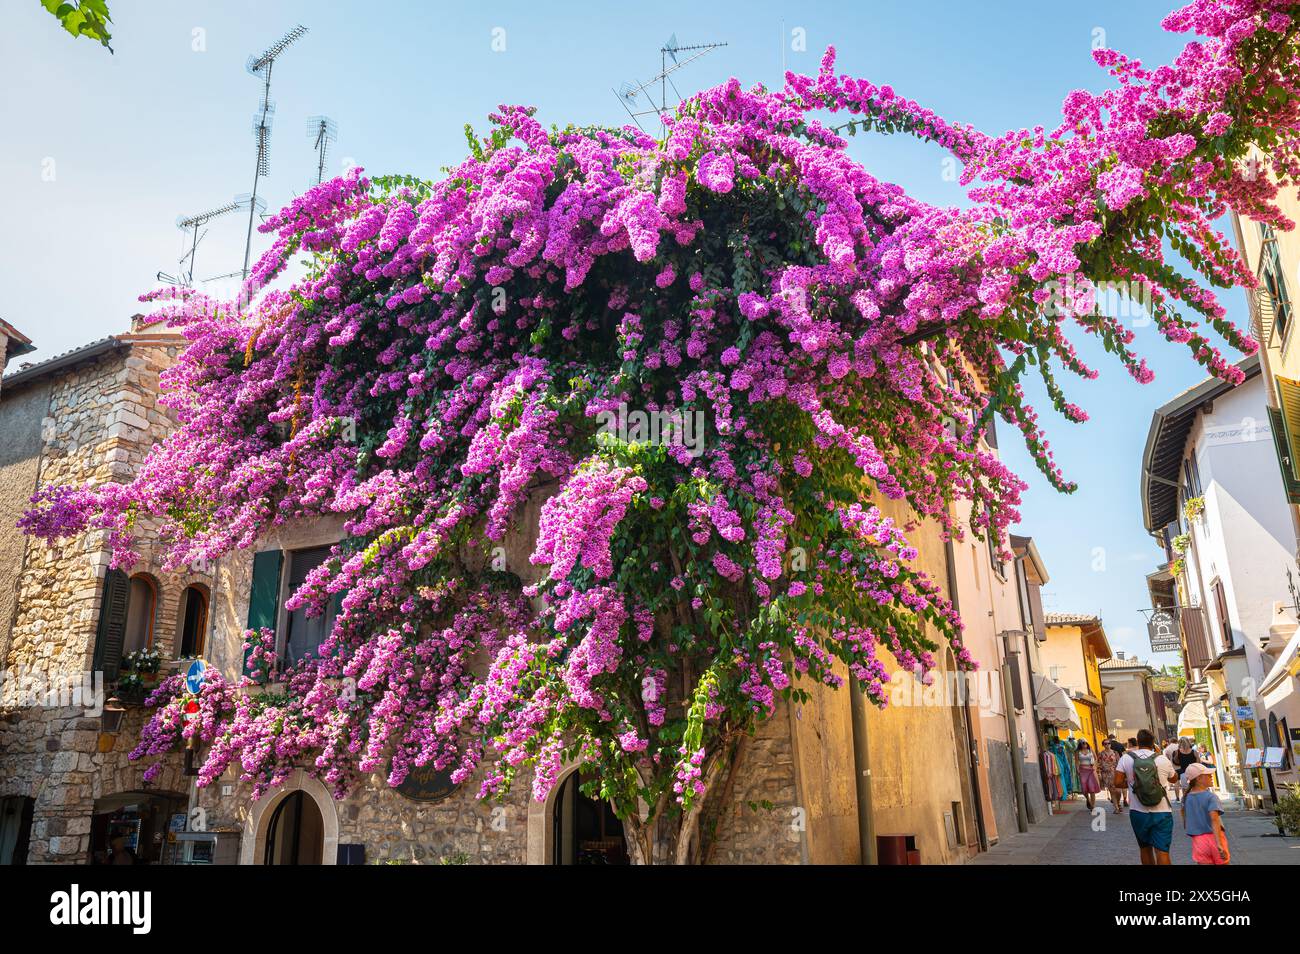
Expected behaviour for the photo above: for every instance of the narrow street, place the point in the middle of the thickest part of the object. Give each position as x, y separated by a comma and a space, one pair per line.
1076, 837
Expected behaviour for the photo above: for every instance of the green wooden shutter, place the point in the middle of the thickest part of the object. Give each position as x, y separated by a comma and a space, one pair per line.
264, 593
1285, 455
111, 630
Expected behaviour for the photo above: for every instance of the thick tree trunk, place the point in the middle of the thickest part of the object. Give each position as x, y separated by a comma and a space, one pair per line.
676, 839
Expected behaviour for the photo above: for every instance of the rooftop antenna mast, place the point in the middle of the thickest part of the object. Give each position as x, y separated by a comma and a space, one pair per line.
325, 131
192, 224
260, 65
639, 99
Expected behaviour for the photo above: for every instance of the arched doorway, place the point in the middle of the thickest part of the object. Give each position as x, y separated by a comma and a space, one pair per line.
296, 832
585, 831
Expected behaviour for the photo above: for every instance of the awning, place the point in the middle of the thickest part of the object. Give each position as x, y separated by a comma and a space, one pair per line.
1281, 679
1054, 703
1193, 716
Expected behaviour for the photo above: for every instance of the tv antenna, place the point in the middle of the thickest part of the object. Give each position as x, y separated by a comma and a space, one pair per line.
639, 99
325, 132
260, 65
192, 224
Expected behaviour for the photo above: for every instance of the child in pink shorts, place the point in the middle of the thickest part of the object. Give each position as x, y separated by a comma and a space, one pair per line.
1203, 818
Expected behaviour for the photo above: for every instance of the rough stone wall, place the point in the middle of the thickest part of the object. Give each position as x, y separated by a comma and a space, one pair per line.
100, 420
21, 414
757, 822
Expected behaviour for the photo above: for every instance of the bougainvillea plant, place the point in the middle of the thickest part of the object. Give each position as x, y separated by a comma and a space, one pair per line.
443, 377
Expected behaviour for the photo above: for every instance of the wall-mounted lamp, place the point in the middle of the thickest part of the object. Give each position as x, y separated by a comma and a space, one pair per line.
110, 720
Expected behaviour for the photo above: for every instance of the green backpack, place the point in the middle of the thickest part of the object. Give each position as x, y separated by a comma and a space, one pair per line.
1147, 786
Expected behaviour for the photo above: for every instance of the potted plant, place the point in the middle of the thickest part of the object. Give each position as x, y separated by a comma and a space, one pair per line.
130, 687
148, 663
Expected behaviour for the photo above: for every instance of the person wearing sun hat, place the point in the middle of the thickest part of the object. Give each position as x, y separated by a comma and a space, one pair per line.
1203, 817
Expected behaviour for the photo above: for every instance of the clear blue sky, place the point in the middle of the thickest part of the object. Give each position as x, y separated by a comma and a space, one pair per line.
162, 128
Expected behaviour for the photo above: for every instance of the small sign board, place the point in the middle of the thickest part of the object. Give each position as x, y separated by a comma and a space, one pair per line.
1273, 757
426, 784
1254, 757
194, 676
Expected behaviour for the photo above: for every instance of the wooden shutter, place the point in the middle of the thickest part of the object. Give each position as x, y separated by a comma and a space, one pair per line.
1285, 425
111, 632
264, 593
1017, 691
1221, 610
1195, 638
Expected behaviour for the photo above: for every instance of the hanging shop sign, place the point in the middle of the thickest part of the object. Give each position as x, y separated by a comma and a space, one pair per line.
1162, 627
427, 784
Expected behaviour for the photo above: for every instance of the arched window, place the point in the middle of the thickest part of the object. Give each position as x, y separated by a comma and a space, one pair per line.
140, 614
194, 621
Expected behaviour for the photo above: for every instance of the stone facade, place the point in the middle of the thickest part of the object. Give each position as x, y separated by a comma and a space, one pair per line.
792, 800
90, 420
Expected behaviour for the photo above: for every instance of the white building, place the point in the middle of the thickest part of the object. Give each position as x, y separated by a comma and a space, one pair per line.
1213, 498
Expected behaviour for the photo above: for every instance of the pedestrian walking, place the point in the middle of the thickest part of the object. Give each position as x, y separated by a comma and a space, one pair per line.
1184, 757
1146, 772
1203, 818
1170, 750
1088, 783
1107, 759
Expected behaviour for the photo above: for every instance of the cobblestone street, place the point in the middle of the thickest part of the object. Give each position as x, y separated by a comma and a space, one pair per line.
1077, 837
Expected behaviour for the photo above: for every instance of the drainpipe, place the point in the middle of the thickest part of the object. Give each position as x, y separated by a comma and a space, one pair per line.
862, 774
950, 558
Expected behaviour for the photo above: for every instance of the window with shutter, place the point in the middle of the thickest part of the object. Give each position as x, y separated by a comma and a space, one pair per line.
111, 631
264, 593
1017, 691
1285, 424
304, 634
1221, 611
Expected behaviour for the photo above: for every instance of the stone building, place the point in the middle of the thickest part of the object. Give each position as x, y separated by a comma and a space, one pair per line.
793, 799
67, 789
1132, 700
69, 794
13, 344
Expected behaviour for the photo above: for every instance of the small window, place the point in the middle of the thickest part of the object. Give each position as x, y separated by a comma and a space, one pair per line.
194, 619
1273, 281
140, 615
995, 558
304, 634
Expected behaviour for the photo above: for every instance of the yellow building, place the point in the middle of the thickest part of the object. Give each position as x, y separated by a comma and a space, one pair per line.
1071, 657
